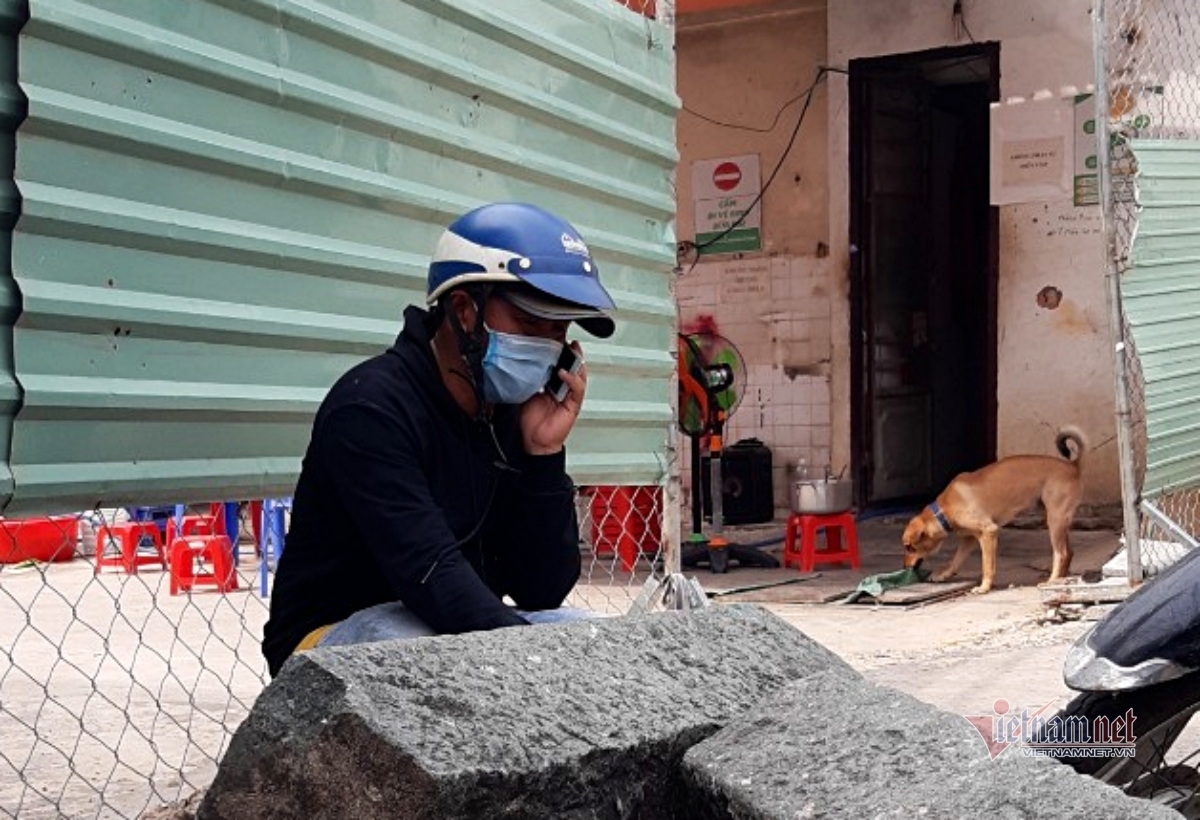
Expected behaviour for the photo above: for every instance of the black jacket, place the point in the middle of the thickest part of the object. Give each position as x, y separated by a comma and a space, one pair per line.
402, 496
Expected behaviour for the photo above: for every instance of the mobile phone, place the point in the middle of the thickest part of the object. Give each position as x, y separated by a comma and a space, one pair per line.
568, 361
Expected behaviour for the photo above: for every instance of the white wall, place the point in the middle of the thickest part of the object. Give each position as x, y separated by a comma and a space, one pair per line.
776, 311
1054, 366
774, 305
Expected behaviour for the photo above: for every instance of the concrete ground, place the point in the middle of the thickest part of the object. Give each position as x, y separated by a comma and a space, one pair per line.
960, 653
132, 691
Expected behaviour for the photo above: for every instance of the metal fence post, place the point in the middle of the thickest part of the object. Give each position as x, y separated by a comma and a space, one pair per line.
1129, 489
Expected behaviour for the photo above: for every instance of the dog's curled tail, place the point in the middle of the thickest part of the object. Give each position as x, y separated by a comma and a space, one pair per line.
1073, 435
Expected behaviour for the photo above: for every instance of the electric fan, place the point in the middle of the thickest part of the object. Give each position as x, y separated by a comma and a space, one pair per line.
712, 379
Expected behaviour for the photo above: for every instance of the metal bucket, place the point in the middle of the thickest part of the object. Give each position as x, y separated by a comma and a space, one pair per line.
822, 496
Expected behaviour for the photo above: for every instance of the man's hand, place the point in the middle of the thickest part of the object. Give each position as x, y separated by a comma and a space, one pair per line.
545, 423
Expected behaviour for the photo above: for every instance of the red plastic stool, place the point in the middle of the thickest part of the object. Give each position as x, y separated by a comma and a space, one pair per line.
214, 551
128, 538
805, 555
193, 525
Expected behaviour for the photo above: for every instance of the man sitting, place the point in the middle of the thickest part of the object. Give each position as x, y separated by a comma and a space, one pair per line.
434, 484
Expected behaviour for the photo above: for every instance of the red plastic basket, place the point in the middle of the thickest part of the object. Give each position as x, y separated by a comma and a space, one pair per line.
38, 539
626, 521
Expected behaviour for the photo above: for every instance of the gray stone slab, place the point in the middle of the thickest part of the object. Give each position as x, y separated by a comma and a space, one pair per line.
835, 746
571, 721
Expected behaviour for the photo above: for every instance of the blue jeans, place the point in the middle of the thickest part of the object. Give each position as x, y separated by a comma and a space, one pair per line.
393, 621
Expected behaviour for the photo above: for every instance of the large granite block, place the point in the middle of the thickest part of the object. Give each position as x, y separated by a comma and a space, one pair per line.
569, 721
833, 746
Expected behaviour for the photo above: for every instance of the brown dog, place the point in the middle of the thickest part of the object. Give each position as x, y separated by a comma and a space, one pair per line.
976, 505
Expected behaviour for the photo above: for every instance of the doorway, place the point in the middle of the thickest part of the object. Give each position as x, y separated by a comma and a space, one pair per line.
924, 270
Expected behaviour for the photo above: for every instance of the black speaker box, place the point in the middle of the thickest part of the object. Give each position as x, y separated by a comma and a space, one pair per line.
747, 493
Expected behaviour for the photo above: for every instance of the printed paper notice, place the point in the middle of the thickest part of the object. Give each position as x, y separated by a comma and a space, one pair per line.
1033, 162
1033, 151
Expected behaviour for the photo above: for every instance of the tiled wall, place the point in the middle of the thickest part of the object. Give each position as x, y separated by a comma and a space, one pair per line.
776, 311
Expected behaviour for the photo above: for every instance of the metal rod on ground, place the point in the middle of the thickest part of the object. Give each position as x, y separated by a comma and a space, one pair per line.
697, 490
670, 537
1129, 490
672, 558
672, 487
714, 490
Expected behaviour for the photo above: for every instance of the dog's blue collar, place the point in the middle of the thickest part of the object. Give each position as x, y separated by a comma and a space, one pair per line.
940, 516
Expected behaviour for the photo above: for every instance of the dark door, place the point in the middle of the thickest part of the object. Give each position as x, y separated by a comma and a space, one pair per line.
896, 258
923, 272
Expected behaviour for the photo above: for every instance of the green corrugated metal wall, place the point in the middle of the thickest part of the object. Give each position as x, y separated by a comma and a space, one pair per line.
12, 108
1160, 295
227, 203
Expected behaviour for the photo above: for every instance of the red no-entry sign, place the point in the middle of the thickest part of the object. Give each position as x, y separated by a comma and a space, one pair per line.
726, 176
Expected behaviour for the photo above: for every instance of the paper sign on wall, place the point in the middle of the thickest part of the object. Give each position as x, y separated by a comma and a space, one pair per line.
1087, 180
1030, 163
723, 190
1032, 151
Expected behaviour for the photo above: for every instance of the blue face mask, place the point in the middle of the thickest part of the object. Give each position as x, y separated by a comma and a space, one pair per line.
516, 367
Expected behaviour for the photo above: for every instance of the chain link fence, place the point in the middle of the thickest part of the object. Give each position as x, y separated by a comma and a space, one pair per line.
115, 693
1148, 81
120, 686
127, 660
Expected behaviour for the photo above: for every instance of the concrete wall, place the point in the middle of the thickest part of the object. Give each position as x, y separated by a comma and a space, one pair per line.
787, 307
1054, 366
774, 305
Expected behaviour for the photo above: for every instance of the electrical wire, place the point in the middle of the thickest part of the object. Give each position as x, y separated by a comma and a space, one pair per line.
959, 18
970, 36
808, 96
756, 129
753, 128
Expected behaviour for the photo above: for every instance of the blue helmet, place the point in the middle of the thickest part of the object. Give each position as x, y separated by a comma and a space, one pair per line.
518, 244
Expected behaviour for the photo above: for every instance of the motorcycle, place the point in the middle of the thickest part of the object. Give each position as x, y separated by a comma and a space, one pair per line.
1141, 665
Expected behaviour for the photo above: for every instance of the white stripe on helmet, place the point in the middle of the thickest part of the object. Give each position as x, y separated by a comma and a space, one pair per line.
454, 248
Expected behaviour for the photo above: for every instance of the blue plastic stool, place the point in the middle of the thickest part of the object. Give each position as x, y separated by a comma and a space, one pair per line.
155, 515
272, 536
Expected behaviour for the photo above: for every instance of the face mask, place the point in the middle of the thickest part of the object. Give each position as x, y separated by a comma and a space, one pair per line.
516, 367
